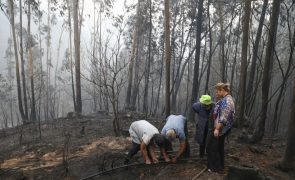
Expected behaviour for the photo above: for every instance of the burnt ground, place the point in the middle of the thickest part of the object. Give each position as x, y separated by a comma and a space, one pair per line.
77, 148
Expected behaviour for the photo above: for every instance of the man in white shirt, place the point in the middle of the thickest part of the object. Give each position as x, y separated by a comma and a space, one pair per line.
145, 136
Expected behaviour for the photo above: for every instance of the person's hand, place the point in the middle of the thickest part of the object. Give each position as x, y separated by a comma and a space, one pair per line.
148, 161
155, 161
174, 160
167, 160
216, 132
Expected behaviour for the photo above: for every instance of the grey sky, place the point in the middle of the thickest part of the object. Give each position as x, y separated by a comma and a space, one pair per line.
4, 35
56, 30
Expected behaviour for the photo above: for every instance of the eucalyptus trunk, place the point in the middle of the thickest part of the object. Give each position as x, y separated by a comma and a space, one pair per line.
267, 70
19, 95
31, 67
195, 87
77, 56
243, 74
167, 57
23, 74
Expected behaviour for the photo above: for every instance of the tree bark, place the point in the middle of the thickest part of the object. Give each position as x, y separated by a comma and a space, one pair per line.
48, 63
167, 57
10, 79
160, 83
137, 78
206, 91
267, 70
235, 56
31, 68
41, 74
243, 74
23, 63
195, 88
222, 42
288, 160
131, 61
71, 56
285, 77
148, 65
255, 55
19, 95
77, 56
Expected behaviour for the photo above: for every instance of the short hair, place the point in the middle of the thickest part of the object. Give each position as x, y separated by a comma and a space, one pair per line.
170, 134
159, 139
222, 86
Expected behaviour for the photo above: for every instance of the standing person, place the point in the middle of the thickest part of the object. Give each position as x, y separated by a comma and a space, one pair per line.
204, 109
145, 136
176, 127
219, 127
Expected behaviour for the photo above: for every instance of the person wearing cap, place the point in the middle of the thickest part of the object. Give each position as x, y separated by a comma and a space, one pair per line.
144, 137
176, 128
203, 109
219, 127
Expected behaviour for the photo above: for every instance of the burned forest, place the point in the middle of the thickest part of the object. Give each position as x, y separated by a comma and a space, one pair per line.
135, 89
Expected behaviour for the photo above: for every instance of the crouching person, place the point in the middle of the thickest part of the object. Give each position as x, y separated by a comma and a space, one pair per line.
145, 137
176, 127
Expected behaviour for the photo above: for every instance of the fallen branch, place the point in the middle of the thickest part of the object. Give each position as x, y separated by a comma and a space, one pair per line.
133, 164
200, 173
162, 172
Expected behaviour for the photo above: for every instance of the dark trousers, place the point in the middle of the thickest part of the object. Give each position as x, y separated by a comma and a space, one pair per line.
215, 152
203, 145
187, 151
133, 150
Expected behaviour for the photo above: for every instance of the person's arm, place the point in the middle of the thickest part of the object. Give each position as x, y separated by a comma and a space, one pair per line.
180, 151
196, 107
143, 150
165, 155
218, 129
152, 149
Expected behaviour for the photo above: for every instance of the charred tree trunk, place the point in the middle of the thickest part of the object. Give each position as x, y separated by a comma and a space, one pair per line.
31, 67
131, 61
167, 57
71, 56
206, 91
19, 95
23, 63
235, 56
40, 96
94, 72
285, 77
48, 63
148, 65
287, 163
77, 56
195, 88
9, 56
255, 55
160, 83
268, 64
137, 78
222, 42
243, 74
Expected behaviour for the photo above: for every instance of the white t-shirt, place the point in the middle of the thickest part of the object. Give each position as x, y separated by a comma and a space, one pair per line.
142, 131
